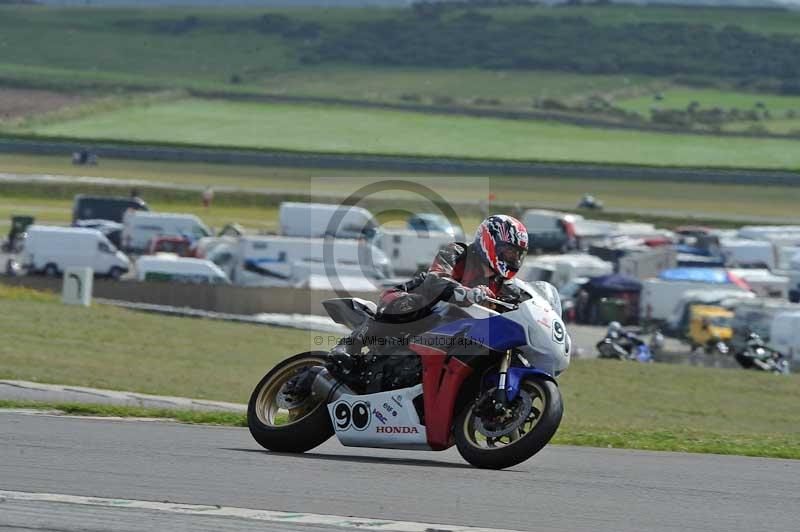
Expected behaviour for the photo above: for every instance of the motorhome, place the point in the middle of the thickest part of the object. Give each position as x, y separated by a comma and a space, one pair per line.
315, 220
276, 260
747, 253
558, 270
410, 250
660, 296
51, 250
763, 282
140, 227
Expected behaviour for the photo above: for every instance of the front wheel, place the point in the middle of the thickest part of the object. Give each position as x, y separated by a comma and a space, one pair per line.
282, 420
521, 431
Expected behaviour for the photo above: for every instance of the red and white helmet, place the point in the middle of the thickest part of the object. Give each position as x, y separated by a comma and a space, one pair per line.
502, 242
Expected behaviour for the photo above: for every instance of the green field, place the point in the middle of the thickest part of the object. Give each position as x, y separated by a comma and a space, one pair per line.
607, 404
54, 202
512, 89
339, 129
680, 98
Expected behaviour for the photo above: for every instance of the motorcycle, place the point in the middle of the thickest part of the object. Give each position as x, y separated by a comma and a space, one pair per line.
484, 381
611, 348
756, 355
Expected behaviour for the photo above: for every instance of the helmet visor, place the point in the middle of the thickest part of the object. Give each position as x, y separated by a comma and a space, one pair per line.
512, 255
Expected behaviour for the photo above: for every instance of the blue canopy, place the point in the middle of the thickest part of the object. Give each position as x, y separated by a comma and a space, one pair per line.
614, 283
697, 275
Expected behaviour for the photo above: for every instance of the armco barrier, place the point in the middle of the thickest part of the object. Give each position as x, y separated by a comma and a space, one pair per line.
216, 298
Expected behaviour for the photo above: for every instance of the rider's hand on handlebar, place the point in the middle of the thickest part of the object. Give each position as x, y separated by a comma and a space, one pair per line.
479, 294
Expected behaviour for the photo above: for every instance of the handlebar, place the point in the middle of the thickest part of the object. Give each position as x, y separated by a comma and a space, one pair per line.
497, 302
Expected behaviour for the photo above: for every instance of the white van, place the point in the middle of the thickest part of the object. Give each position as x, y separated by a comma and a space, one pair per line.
315, 220
51, 250
139, 227
558, 270
409, 249
178, 269
270, 260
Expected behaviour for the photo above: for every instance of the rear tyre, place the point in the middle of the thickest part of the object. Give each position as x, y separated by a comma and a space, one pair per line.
541, 423
115, 273
289, 428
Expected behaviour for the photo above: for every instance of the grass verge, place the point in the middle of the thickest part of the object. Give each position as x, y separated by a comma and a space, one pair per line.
655, 407
230, 419
767, 446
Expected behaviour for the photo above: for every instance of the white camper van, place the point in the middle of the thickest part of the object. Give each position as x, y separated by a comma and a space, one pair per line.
139, 227
177, 269
50, 250
409, 249
315, 220
273, 260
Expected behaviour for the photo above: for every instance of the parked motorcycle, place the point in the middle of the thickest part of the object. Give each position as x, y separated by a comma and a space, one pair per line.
624, 348
485, 382
756, 355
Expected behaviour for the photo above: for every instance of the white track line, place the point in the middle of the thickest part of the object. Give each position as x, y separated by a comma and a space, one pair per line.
269, 516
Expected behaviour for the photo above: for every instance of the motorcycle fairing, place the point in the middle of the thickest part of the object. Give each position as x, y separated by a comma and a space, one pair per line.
496, 333
386, 420
442, 377
514, 376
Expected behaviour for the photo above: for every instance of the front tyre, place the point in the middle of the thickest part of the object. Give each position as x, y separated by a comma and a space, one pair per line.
284, 423
527, 426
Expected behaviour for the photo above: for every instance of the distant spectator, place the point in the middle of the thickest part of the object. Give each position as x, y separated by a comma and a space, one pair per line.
208, 197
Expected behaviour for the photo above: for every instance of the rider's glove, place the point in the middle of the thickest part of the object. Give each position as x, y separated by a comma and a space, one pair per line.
477, 295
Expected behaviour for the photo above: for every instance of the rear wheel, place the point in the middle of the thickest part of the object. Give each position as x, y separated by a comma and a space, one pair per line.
116, 273
282, 421
516, 434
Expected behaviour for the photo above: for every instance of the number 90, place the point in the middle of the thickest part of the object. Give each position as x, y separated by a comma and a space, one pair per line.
355, 415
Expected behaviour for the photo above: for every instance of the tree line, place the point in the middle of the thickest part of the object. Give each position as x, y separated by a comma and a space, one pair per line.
574, 44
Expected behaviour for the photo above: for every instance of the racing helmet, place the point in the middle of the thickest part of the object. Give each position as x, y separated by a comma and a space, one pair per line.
614, 327
502, 243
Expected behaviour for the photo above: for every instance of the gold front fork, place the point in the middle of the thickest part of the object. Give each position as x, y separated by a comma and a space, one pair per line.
501, 384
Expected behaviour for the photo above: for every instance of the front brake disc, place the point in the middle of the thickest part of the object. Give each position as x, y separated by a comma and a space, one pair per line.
521, 411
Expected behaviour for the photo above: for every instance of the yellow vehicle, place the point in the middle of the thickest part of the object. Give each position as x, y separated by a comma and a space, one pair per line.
710, 328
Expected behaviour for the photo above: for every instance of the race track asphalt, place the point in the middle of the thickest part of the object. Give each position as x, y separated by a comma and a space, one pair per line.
561, 489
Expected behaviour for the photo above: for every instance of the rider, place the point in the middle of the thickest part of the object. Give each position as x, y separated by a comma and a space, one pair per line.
463, 274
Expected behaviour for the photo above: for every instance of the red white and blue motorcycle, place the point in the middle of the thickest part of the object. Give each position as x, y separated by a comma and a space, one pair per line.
484, 381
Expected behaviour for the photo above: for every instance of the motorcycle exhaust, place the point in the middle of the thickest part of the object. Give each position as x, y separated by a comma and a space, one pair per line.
328, 387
